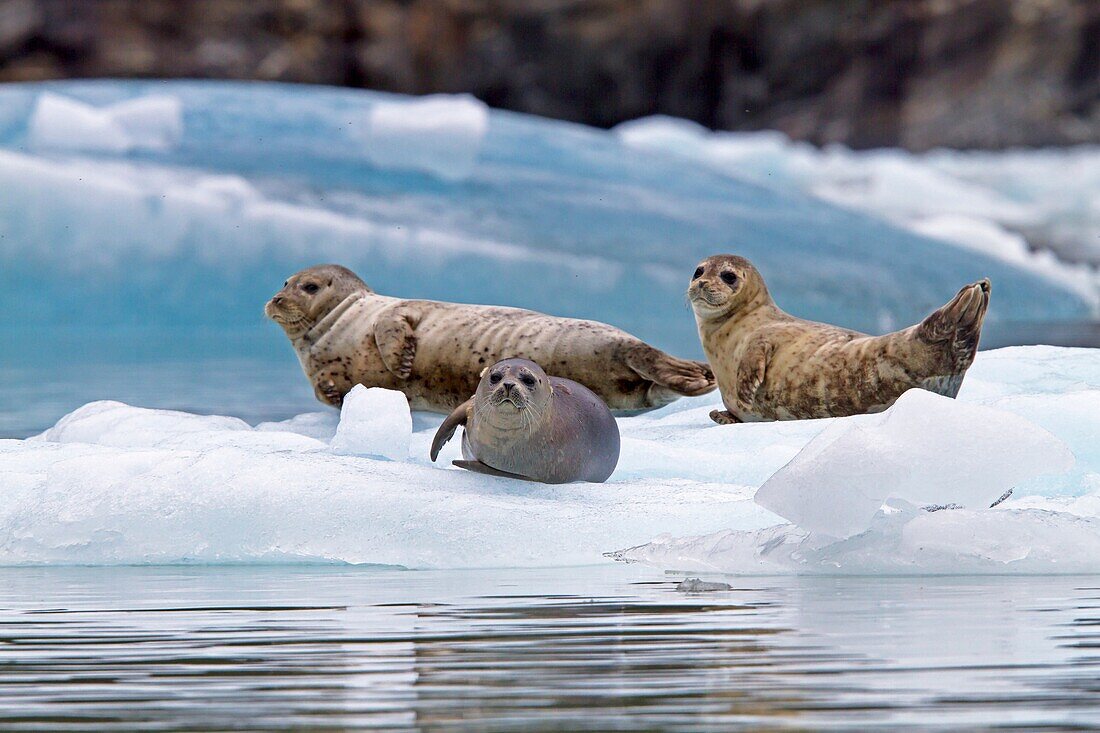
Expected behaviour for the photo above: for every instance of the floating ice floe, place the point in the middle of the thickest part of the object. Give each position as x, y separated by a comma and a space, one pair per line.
152, 122
117, 484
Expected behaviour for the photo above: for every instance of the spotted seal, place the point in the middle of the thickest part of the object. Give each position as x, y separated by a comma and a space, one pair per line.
773, 366
346, 334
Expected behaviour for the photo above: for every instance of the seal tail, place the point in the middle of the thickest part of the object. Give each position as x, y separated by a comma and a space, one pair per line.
957, 326
682, 376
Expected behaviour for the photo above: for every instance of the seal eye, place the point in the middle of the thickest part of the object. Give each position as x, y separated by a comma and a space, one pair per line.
698, 273
728, 278
528, 380
311, 288
495, 377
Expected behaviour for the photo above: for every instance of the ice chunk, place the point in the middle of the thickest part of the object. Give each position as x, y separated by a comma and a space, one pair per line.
438, 134
926, 449
145, 123
697, 585
374, 422
66, 124
153, 122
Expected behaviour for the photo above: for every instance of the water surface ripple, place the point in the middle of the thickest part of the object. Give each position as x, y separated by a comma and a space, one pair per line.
585, 649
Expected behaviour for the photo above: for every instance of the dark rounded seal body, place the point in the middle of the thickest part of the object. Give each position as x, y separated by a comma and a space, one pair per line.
345, 334
773, 366
524, 424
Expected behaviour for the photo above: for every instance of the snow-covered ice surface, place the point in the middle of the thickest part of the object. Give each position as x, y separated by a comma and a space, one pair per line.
198, 224
114, 484
1039, 209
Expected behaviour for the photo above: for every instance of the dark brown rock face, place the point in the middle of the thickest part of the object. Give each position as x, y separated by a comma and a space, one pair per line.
916, 73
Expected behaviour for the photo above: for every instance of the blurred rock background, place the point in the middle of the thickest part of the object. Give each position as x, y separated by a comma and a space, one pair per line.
867, 73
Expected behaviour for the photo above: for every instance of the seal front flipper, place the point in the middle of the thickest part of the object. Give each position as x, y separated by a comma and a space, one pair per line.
479, 467
689, 378
326, 391
750, 374
395, 336
724, 417
460, 416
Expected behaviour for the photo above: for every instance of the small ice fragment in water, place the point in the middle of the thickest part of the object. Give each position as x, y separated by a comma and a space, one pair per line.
374, 422
439, 134
695, 585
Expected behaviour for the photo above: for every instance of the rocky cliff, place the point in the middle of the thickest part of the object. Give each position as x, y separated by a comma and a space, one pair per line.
915, 73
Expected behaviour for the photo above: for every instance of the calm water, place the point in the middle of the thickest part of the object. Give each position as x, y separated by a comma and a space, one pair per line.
607, 648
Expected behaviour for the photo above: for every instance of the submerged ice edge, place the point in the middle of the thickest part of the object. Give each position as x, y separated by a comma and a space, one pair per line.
113, 484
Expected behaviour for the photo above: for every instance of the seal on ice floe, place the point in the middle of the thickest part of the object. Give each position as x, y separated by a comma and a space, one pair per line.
345, 334
524, 424
773, 366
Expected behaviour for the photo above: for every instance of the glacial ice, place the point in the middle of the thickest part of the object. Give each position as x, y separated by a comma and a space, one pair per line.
374, 422
994, 203
439, 134
116, 484
194, 226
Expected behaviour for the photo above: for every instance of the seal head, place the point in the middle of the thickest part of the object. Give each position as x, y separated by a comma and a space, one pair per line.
724, 285
523, 424
309, 295
513, 393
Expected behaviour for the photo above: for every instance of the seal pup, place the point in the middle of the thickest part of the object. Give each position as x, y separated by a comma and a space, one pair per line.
524, 424
773, 366
346, 334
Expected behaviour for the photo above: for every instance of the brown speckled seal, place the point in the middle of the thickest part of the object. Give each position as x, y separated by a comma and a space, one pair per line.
345, 334
773, 366
524, 424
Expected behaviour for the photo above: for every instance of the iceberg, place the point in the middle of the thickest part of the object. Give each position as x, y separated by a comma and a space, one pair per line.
182, 206
115, 484
1035, 209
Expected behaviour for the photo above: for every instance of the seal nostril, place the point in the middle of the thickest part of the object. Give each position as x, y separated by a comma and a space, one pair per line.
277, 300
508, 386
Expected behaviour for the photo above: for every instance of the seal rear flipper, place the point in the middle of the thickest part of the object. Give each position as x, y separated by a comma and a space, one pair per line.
459, 416
957, 326
479, 467
395, 336
682, 376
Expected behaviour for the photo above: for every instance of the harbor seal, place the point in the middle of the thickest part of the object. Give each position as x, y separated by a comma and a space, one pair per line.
773, 366
346, 334
524, 424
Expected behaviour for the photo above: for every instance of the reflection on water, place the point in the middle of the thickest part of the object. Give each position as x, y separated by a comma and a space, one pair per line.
607, 648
